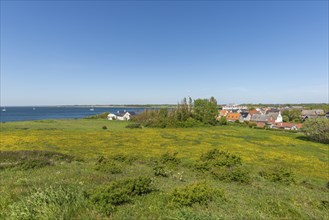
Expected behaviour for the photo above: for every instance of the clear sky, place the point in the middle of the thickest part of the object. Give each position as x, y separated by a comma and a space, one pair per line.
138, 52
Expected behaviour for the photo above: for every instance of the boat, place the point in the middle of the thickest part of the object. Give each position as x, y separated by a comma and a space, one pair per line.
91, 109
33, 108
4, 109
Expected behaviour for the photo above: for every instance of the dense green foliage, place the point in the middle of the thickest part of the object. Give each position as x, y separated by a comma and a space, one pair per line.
292, 115
186, 114
279, 174
200, 193
205, 110
108, 197
106, 165
317, 129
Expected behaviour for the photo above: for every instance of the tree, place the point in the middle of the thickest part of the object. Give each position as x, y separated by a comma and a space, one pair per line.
285, 118
205, 110
317, 129
222, 121
292, 115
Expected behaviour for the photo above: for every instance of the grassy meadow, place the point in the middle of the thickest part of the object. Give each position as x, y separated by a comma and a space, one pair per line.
77, 169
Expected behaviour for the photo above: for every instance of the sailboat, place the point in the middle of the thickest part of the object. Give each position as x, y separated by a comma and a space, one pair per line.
4, 109
92, 108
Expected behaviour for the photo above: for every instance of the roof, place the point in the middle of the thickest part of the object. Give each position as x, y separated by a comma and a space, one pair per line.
259, 118
313, 112
233, 116
244, 114
223, 112
272, 111
251, 112
122, 113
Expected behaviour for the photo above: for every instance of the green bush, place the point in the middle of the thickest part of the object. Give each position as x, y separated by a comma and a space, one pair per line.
109, 166
104, 127
107, 198
252, 125
169, 158
160, 170
236, 174
134, 125
123, 158
53, 202
317, 129
222, 121
194, 193
279, 174
215, 157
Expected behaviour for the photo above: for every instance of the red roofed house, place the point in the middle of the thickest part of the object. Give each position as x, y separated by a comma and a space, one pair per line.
233, 116
251, 113
222, 113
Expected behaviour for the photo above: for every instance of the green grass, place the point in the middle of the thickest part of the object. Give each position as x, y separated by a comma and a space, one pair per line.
75, 180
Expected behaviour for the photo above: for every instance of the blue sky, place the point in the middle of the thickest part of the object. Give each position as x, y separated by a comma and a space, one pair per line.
138, 52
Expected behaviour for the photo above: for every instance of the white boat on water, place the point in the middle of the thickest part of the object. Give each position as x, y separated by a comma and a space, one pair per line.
92, 108
4, 109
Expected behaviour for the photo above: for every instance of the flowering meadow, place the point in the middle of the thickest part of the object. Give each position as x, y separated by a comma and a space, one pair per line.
72, 169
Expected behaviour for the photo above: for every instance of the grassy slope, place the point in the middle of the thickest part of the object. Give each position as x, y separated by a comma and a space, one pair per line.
259, 149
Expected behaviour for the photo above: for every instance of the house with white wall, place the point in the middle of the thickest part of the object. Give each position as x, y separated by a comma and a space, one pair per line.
122, 116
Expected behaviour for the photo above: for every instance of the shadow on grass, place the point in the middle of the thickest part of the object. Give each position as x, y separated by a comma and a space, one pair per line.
304, 138
25, 159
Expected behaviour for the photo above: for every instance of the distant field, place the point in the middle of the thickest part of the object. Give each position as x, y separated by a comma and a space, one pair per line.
86, 140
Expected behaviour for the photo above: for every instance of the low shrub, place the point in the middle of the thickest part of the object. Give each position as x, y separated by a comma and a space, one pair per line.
169, 158
194, 193
215, 157
109, 166
160, 170
123, 158
279, 174
53, 202
236, 174
104, 127
107, 198
134, 125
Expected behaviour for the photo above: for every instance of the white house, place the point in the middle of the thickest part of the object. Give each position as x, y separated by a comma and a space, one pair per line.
120, 116
111, 117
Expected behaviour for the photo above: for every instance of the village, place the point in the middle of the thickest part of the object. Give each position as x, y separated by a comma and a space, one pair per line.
261, 117
269, 117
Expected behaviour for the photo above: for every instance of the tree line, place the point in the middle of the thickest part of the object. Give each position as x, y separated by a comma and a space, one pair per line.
187, 113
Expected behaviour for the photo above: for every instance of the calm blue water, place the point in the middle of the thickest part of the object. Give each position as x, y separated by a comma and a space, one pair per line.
40, 113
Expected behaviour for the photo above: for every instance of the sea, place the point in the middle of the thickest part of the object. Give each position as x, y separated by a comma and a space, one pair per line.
44, 113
